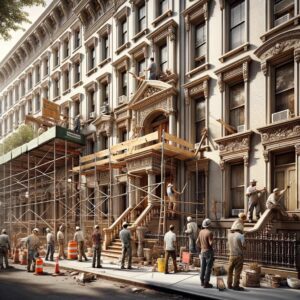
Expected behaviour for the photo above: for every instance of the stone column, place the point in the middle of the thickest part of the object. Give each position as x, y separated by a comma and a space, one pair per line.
131, 198
172, 49
246, 181
151, 182
172, 123
140, 232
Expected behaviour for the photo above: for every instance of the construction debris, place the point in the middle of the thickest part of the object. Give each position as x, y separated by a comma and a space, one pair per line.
86, 277
137, 290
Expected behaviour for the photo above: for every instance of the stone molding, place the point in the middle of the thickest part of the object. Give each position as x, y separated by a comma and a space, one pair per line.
167, 29
195, 13
196, 88
104, 124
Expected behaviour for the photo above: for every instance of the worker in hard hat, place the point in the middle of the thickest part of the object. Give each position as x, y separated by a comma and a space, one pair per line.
205, 242
192, 232
33, 244
61, 243
236, 244
274, 201
125, 237
79, 238
97, 247
4, 249
172, 194
50, 245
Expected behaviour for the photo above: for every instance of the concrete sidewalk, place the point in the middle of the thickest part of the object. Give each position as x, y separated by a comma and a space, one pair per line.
185, 283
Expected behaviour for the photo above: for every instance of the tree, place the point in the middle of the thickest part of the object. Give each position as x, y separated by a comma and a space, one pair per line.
12, 15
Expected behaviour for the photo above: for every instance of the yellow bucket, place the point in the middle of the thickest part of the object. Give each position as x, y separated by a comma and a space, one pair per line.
161, 265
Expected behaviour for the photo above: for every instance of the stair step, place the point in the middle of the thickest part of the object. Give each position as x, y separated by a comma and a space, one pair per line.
113, 247
110, 255
113, 251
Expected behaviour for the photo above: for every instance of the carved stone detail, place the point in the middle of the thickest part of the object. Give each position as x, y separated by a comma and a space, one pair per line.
150, 91
187, 22
264, 67
245, 71
297, 147
266, 155
220, 82
187, 97
172, 33
297, 54
205, 88
235, 145
246, 160
222, 165
280, 133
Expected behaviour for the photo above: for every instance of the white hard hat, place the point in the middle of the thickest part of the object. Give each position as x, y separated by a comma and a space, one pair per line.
3, 231
275, 190
96, 226
170, 184
206, 223
124, 224
36, 230
189, 218
47, 229
77, 228
253, 180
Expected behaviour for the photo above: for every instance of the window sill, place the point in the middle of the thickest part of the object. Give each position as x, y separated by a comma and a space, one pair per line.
140, 34
92, 71
123, 47
56, 98
229, 54
65, 59
77, 84
76, 49
66, 92
199, 69
274, 30
37, 83
162, 17
45, 76
56, 67
104, 62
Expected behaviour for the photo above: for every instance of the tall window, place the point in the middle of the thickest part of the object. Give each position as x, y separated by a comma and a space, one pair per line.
200, 44
66, 80
10, 98
46, 92
105, 94
141, 66
237, 24
200, 113
22, 87
37, 102
124, 83
284, 87
141, 15
16, 94
124, 32
55, 57
37, 74
162, 6
91, 101
77, 38
77, 72
56, 87
66, 49
237, 186
29, 81
46, 66
105, 47
163, 58
237, 105
92, 57
283, 10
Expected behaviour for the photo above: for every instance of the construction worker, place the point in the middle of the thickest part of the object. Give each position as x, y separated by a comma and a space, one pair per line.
50, 245
125, 237
205, 241
236, 242
4, 249
33, 244
241, 220
79, 238
172, 194
192, 232
61, 243
97, 240
274, 199
253, 195
153, 69
170, 248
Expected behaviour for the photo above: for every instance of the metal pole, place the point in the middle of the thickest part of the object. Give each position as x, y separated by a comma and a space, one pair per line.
163, 202
54, 188
28, 193
66, 187
110, 187
10, 195
35, 191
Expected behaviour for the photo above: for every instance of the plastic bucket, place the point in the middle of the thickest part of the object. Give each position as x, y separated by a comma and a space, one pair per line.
161, 265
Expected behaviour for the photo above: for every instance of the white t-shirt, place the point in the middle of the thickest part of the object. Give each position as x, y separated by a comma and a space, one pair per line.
170, 238
252, 194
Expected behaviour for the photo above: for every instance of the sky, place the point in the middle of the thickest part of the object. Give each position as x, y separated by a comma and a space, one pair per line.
34, 13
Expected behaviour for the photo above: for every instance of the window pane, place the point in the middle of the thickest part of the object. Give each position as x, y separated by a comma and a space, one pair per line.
237, 36
200, 110
163, 6
237, 117
237, 13
237, 186
237, 96
285, 100
163, 58
285, 77
200, 34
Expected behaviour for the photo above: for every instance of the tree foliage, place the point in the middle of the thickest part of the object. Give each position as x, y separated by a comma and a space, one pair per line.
24, 134
12, 15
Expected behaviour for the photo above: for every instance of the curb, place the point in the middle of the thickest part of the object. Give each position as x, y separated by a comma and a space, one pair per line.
139, 283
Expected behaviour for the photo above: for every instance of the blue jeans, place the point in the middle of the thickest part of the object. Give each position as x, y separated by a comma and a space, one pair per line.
207, 261
50, 251
192, 244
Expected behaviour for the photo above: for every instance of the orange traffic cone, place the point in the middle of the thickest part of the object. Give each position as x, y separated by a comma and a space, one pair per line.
16, 256
56, 270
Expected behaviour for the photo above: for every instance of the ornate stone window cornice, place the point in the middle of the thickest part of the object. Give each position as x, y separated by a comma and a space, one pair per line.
237, 71
91, 42
122, 13
235, 146
77, 97
196, 88
104, 30
91, 86
122, 63
66, 66
45, 55
76, 58
104, 78
282, 134
139, 51
278, 46
104, 124
45, 83
55, 75
65, 36
195, 13
167, 29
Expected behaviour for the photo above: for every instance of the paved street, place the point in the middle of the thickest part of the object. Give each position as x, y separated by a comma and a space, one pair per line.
17, 284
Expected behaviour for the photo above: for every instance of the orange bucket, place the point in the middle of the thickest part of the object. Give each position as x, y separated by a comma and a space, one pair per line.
72, 250
39, 266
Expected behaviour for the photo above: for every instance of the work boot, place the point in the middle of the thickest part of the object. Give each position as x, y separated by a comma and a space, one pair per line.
99, 267
230, 287
129, 268
202, 282
208, 285
238, 288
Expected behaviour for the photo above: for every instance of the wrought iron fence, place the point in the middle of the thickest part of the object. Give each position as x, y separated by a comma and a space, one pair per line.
281, 250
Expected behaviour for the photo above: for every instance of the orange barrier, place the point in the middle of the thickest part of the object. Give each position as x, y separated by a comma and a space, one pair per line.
72, 250
24, 257
56, 270
39, 266
16, 256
